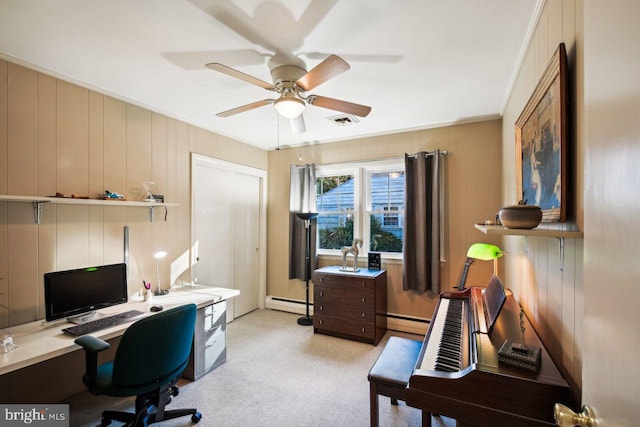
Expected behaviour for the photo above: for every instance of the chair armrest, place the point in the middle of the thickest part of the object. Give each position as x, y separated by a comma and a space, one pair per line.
92, 346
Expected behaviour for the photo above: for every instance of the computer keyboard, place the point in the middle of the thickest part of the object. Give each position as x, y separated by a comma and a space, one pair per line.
102, 323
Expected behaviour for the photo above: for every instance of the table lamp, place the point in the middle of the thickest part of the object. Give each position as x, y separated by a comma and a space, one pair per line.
486, 252
158, 256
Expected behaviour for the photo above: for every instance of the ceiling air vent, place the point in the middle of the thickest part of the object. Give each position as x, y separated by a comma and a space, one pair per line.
343, 120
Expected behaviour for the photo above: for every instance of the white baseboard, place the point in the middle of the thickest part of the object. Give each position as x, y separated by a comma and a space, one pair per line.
288, 305
396, 322
408, 325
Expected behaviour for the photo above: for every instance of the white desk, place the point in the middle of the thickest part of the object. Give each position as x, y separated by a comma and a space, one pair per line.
40, 341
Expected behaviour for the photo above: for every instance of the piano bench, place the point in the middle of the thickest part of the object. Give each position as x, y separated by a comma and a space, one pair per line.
390, 374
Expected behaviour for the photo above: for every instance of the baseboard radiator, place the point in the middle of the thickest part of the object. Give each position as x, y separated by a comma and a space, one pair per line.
395, 322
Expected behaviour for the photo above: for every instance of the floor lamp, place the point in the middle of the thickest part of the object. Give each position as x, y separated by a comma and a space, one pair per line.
307, 217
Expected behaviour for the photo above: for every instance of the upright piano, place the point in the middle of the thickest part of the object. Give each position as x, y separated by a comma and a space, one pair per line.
457, 373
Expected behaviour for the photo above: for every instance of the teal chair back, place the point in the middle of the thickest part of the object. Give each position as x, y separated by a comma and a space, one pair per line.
154, 350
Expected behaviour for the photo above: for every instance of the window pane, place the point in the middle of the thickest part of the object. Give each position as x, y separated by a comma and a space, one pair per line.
335, 231
334, 193
335, 200
385, 238
387, 205
387, 189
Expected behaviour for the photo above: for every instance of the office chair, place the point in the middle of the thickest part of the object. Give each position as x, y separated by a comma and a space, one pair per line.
149, 360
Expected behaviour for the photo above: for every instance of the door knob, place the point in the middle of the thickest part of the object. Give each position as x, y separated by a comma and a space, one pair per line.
565, 417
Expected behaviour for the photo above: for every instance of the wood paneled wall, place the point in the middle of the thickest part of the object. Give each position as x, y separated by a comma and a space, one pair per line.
59, 137
551, 296
472, 194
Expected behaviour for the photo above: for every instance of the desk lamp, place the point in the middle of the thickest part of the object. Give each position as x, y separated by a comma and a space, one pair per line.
158, 256
486, 252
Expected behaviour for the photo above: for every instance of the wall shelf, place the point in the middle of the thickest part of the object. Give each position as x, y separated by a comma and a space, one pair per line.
38, 201
535, 232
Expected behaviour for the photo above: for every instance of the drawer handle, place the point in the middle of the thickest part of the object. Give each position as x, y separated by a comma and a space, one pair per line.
321, 308
322, 279
321, 321
363, 298
321, 293
363, 284
362, 329
363, 315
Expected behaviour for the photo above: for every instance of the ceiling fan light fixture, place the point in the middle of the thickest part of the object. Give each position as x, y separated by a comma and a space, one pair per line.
288, 106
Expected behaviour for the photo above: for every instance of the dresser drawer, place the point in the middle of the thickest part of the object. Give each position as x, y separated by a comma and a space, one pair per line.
358, 284
344, 327
344, 305
366, 296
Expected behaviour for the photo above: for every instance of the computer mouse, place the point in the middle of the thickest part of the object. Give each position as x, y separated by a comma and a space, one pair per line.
156, 307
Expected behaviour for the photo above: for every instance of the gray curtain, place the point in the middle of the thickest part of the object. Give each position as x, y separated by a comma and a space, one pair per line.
297, 247
302, 199
421, 252
302, 189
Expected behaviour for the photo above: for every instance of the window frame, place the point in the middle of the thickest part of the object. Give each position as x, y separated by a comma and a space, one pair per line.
361, 172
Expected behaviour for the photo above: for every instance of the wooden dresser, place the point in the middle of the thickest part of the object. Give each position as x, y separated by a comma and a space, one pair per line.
350, 305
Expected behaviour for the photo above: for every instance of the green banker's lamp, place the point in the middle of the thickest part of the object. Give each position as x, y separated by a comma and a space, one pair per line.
483, 251
486, 252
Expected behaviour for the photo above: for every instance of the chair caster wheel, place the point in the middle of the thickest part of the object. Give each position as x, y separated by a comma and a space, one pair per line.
195, 418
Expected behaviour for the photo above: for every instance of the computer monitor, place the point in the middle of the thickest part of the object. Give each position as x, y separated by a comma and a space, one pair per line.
74, 292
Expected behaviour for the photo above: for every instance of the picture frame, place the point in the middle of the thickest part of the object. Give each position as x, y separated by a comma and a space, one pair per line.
374, 261
541, 142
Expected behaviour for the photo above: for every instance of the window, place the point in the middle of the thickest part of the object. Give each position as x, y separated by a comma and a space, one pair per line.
361, 200
390, 219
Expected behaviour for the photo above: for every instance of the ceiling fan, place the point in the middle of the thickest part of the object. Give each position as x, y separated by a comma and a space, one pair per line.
291, 82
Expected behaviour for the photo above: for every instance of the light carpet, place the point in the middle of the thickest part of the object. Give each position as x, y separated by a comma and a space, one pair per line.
277, 373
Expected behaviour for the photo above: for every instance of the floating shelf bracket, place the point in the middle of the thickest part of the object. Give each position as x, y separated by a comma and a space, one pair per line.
561, 242
151, 211
37, 211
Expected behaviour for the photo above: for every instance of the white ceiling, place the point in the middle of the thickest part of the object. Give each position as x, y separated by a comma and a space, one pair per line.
417, 63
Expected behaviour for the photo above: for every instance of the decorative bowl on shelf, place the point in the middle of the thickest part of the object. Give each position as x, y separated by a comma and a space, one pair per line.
520, 216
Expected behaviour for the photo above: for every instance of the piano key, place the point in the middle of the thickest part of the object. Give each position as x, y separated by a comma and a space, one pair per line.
429, 360
443, 351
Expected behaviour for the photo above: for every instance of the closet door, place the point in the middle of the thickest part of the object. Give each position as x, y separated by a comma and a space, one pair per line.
226, 230
246, 244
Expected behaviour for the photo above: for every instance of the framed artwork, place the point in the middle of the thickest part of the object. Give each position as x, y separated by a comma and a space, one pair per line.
541, 143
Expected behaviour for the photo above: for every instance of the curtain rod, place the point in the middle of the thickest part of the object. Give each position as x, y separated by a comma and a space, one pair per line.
443, 153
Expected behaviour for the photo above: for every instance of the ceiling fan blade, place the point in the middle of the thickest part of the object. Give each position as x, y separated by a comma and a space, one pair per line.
338, 105
297, 124
215, 66
246, 108
327, 69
